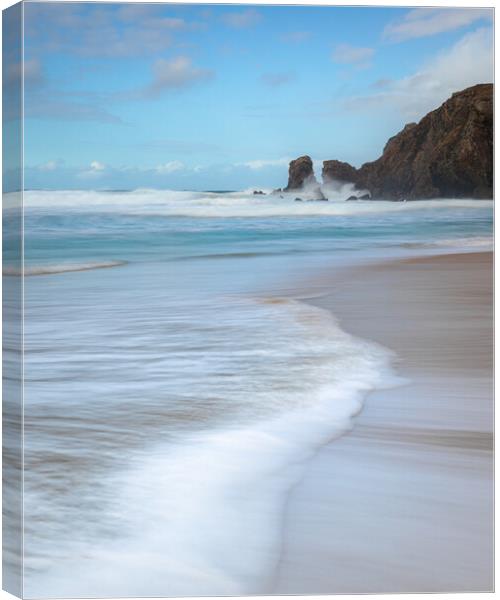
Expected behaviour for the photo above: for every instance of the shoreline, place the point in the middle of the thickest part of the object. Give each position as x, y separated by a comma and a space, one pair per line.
404, 502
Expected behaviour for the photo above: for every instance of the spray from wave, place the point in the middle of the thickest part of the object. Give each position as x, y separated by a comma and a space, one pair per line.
231, 204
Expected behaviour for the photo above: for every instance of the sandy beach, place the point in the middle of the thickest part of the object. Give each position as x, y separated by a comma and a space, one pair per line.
404, 502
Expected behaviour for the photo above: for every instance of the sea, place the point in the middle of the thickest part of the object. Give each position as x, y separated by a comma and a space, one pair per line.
178, 378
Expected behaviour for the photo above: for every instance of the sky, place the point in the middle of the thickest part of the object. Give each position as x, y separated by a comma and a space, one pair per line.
122, 96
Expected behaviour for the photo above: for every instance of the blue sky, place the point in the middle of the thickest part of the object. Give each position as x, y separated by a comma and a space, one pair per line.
222, 97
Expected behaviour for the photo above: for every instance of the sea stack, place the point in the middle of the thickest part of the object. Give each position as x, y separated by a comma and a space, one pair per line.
448, 154
300, 174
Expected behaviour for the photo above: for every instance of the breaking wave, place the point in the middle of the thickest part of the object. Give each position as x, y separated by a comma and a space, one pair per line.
227, 204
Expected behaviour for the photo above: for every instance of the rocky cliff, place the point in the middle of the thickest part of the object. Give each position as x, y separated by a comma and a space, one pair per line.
449, 153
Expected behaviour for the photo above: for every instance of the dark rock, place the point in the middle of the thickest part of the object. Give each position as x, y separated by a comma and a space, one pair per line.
258, 193
298, 200
364, 197
300, 174
338, 170
449, 153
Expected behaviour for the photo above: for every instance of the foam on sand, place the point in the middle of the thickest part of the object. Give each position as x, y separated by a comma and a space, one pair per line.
186, 502
482, 242
61, 268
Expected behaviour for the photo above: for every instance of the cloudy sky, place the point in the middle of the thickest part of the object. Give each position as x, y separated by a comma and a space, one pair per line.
222, 97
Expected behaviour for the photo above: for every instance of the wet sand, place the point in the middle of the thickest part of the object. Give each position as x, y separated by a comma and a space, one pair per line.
404, 502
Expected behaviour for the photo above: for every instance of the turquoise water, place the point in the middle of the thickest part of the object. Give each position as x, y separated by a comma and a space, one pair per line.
175, 382
149, 227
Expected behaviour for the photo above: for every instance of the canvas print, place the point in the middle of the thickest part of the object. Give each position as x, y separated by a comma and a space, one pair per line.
247, 289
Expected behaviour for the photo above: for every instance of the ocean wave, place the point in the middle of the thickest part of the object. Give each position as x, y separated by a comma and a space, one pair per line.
187, 502
169, 203
32, 270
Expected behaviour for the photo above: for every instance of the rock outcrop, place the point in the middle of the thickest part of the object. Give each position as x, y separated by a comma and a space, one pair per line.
448, 154
300, 174
338, 170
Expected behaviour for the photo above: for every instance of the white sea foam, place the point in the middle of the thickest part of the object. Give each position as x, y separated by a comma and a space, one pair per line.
485, 241
202, 513
231, 204
53, 269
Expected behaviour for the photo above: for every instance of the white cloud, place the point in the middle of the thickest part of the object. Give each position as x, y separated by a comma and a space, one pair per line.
50, 165
258, 164
284, 161
96, 169
468, 62
423, 22
175, 73
170, 167
246, 18
347, 54
149, 16
103, 30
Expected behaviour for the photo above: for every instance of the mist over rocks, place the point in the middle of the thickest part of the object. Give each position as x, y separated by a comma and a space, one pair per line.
447, 154
301, 178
